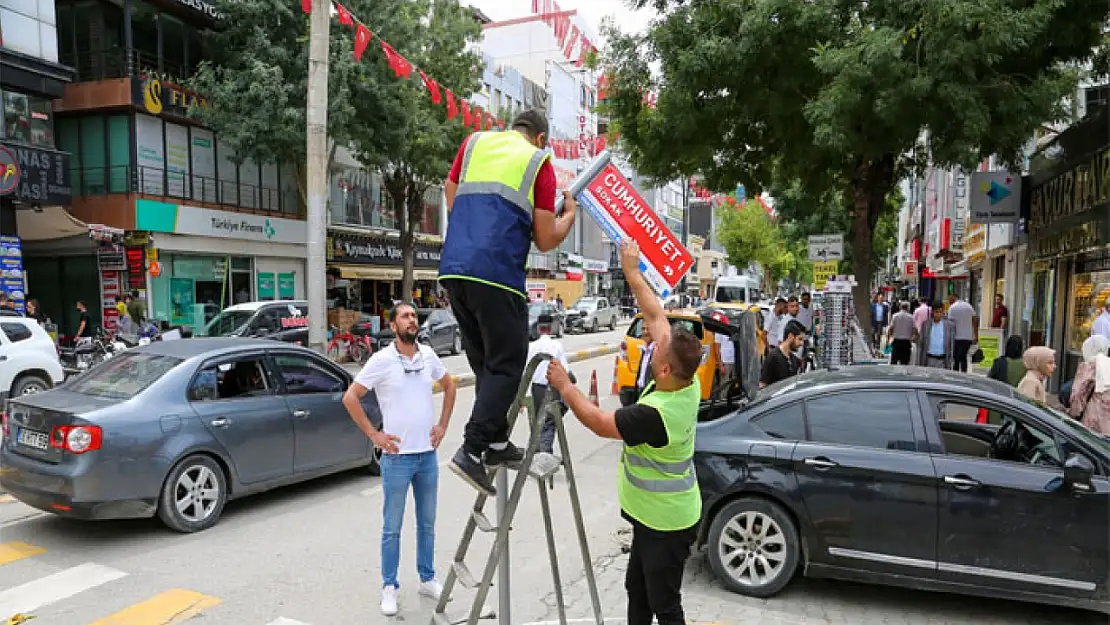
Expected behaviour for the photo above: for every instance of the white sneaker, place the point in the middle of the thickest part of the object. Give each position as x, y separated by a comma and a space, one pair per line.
431, 588
389, 601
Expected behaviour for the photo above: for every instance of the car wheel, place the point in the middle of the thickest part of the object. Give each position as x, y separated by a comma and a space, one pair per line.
194, 495
559, 331
754, 547
456, 344
375, 466
30, 384
612, 323
594, 327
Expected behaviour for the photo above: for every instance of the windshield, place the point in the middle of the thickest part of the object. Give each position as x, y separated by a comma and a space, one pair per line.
124, 376
586, 303
732, 294
227, 323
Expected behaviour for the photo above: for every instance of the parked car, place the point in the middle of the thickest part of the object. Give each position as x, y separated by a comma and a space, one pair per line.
535, 309
29, 361
177, 428
632, 349
590, 314
438, 329
885, 475
282, 320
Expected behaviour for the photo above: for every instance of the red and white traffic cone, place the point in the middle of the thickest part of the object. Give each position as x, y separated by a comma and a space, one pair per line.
593, 389
613, 390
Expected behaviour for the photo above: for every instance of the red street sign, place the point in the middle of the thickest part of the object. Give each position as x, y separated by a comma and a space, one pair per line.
909, 269
620, 211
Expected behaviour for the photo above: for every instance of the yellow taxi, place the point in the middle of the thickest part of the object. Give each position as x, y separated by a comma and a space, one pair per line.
760, 316
628, 361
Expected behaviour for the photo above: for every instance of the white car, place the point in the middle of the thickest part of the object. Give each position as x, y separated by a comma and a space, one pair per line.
29, 360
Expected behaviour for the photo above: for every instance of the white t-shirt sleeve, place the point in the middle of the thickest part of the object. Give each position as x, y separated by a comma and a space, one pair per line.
562, 356
374, 372
436, 367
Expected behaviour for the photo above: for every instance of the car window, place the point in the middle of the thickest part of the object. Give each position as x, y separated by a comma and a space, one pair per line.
636, 330
240, 378
787, 422
303, 376
1026, 443
124, 376
879, 419
16, 332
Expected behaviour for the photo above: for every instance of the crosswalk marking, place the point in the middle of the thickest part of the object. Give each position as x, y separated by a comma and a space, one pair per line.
62, 585
172, 606
286, 621
13, 551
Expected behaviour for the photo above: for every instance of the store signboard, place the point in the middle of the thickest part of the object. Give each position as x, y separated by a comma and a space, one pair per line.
537, 291
35, 175
202, 161
12, 279
159, 96
995, 197
590, 265
179, 219
150, 154
909, 269
286, 285
990, 344
265, 285
823, 271
177, 160
379, 251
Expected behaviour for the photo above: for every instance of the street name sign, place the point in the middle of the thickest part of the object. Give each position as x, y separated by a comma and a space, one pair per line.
612, 201
825, 247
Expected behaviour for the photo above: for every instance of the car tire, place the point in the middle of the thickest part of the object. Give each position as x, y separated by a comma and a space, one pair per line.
612, 323
559, 332
375, 466
744, 529
594, 327
456, 343
29, 384
197, 468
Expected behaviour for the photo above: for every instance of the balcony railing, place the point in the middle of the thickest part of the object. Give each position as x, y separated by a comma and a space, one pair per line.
162, 182
93, 65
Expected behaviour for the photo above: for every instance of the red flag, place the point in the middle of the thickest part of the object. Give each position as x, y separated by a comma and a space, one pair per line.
467, 119
571, 41
583, 51
477, 113
399, 64
501, 124
433, 88
603, 86
489, 121
362, 39
306, 6
452, 110
344, 15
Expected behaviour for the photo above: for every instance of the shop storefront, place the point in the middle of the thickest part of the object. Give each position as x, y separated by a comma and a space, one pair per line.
201, 260
365, 271
597, 276
1067, 210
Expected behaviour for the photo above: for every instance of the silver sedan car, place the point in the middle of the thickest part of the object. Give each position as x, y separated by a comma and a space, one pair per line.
177, 428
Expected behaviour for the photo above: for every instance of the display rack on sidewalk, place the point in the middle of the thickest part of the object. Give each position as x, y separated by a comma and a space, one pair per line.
837, 322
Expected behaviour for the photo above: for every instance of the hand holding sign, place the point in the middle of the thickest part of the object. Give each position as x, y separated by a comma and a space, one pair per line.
569, 206
630, 256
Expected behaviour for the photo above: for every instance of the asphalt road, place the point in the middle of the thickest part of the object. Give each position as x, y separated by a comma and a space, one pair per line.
308, 555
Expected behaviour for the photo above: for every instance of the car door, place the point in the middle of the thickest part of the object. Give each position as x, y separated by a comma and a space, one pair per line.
323, 433
439, 331
1010, 521
236, 399
865, 485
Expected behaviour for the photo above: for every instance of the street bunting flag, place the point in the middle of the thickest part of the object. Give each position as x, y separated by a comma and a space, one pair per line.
452, 110
362, 39
344, 15
433, 88
622, 213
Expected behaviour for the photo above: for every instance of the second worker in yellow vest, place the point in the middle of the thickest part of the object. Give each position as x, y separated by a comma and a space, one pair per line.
656, 484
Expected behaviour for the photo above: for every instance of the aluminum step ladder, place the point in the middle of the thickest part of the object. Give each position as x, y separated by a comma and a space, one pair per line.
537, 466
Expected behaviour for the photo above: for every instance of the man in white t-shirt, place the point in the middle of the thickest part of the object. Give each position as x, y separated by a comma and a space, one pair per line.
554, 348
726, 358
962, 316
402, 377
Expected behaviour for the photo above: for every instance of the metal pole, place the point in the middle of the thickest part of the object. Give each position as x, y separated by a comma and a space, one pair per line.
317, 172
504, 595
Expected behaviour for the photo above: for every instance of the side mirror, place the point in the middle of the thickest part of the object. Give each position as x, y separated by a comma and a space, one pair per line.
1078, 471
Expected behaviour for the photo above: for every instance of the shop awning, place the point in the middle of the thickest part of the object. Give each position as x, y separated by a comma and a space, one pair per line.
52, 222
357, 272
425, 275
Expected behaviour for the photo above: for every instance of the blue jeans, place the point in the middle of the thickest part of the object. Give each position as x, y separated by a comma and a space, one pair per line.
398, 472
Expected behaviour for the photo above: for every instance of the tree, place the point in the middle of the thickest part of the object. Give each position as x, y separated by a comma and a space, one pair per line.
835, 96
749, 235
256, 84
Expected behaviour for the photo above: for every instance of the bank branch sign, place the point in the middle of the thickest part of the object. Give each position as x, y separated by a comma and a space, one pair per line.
620, 211
178, 219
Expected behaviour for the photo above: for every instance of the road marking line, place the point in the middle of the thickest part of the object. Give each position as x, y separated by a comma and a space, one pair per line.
167, 608
61, 585
13, 551
281, 620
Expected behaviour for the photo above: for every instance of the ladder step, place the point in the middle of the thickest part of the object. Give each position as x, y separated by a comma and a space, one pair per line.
544, 465
466, 580
442, 619
482, 521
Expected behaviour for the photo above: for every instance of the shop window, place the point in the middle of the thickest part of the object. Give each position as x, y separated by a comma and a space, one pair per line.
119, 153
17, 117
93, 155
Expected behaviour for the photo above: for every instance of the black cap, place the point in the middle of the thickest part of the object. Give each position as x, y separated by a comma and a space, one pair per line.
532, 120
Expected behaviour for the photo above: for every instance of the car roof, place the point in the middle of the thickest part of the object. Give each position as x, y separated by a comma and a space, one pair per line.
878, 376
209, 346
253, 306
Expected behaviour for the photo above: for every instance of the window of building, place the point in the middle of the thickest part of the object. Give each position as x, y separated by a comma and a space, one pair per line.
17, 117
582, 97
496, 101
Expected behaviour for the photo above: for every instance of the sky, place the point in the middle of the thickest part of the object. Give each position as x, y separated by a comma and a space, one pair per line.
593, 11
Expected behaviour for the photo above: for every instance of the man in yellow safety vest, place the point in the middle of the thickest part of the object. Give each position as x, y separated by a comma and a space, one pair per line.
656, 486
501, 194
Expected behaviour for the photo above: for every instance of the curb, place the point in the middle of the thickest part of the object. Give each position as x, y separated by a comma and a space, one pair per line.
467, 379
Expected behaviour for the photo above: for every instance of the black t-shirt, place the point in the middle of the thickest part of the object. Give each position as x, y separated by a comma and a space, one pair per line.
87, 328
777, 367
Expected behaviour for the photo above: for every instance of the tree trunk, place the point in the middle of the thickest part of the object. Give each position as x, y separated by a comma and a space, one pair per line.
414, 211
397, 187
870, 185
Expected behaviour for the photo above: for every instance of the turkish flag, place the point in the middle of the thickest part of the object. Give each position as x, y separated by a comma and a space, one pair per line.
467, 119
452, 110
362, 39
344, 15
571, 41
501, 124
433, 88
399, 64
306, 6
478, 114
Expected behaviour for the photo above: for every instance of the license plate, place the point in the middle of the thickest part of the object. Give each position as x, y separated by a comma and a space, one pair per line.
33, 439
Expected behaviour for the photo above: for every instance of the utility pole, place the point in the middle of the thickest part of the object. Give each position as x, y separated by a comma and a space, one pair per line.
317, 170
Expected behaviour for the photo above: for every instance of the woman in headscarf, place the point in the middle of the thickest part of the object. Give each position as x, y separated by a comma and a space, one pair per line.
1009, 368
1040, 362
1090, 401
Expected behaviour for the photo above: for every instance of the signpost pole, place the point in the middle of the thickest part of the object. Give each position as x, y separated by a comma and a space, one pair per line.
317, 166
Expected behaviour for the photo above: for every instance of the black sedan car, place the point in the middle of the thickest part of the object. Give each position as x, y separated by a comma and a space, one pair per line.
913, 477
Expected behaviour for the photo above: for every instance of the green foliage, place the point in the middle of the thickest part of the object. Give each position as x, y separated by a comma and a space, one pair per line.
833, 96
257, 86
749, 236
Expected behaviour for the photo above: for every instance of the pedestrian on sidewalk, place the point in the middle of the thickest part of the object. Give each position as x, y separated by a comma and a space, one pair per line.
402, 377
501, 194
545, 344
656, 484
962, 316
1008, 368
936, 341
1090, 392
782, 362
901, 335
1040, 364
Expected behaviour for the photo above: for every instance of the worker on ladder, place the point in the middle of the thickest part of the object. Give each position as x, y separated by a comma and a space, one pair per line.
656, 486
501, 194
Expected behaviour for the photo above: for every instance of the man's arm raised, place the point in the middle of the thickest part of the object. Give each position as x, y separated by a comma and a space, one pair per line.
654, 316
